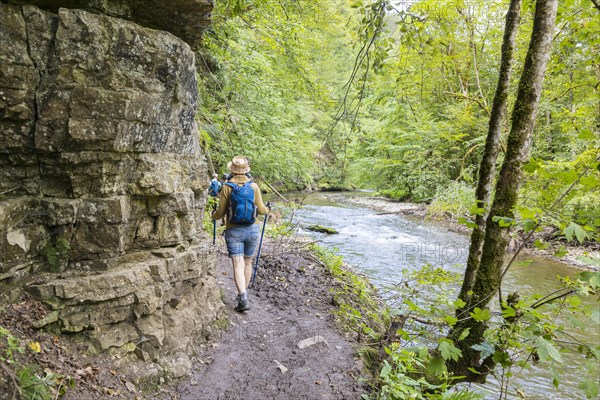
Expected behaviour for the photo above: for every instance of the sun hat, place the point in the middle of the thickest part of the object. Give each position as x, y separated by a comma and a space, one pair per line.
239, 165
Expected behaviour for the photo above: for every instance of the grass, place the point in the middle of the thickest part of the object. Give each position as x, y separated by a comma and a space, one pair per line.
359, 307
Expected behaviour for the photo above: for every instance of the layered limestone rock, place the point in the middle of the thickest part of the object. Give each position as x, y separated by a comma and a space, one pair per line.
186, 19
102, 180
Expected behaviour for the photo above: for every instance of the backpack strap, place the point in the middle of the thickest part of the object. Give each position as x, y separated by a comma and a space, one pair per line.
236, 186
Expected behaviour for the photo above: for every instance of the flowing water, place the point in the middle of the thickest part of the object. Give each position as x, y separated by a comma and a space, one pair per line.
382, 245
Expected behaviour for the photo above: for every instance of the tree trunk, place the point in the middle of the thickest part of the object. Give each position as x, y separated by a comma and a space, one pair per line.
487, 278
209, 163
487, 167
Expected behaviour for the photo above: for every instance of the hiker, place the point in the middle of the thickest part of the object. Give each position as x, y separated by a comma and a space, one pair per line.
240, 201
215, 186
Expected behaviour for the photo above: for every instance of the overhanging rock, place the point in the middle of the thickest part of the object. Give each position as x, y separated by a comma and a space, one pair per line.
187, 19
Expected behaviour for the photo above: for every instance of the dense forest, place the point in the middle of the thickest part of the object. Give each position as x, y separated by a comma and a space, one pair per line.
396, 97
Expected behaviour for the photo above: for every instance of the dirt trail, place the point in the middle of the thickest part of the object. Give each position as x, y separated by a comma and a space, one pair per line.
289, 303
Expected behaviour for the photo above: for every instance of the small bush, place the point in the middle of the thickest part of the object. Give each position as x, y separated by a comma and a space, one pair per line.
395, 194
31, 385
454, 201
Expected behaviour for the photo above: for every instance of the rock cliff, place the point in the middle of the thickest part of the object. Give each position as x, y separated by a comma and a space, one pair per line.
186, 19
102, 180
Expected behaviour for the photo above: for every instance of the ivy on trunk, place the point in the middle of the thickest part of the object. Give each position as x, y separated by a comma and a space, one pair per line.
487, 278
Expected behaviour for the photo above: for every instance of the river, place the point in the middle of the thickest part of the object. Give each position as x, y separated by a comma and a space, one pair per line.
382, 245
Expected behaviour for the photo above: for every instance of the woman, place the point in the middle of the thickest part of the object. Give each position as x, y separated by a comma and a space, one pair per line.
242, 231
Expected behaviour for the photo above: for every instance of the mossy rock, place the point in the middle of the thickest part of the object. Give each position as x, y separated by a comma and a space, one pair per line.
322, 229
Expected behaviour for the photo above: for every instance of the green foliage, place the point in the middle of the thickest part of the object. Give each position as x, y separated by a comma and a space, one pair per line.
578, 214
448, 350
427, 105
274, 86
359, 307
281, 229
10, 346
31, 383
480, 315
409, 373
454, 201
527, 332
207, 221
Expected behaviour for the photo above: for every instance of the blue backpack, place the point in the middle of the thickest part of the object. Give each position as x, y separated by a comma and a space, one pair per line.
214, 188
242, 210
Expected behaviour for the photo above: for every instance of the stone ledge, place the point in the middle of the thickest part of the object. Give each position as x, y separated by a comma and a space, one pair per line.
187, 19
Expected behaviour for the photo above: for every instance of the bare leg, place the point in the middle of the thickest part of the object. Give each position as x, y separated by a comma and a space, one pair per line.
239, 274
248, 270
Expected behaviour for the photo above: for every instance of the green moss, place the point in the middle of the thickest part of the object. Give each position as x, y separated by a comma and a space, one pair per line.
57, 254
322, 229
221, 323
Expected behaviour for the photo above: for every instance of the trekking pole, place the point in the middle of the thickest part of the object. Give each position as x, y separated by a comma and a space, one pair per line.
214, 232
214, 225
260, 246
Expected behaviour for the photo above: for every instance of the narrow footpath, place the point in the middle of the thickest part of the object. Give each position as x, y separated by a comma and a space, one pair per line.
258, 356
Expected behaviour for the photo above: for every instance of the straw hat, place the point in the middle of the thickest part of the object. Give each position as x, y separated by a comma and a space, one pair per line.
239, 165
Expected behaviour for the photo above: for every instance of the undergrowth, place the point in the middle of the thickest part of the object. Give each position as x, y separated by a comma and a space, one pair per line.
23, 379
359, 306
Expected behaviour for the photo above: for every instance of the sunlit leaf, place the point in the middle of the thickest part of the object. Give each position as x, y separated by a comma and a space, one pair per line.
485, 348
547, 351
35, 347
577, 230
458, 304
385, 371
508, 311
480, 315
590, 388
448, 350
464, 334
504, 222
436, 366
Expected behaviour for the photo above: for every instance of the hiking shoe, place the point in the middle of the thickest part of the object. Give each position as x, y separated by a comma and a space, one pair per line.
243, 304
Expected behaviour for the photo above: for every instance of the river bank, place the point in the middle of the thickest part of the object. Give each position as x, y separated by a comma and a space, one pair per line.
420, 211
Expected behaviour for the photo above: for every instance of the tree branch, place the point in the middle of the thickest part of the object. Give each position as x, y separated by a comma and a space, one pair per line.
473, 99
12, 377
522, 245
540, 303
